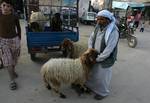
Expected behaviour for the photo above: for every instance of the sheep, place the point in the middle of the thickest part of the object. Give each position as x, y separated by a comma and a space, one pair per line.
73, 49
68, 71
37, 21
35, 27
37, 16
56, 23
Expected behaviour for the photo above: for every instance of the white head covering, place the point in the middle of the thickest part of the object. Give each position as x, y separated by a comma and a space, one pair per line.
111, 26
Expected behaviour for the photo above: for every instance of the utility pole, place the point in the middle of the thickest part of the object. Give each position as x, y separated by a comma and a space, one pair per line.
77, 10
77, 24
107, 4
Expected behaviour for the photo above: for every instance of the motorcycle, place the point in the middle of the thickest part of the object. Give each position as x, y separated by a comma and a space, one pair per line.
127, 32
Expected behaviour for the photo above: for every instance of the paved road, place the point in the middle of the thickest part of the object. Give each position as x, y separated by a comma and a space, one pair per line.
130, 82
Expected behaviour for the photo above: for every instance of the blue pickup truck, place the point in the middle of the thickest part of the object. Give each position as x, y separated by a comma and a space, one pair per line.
46, 41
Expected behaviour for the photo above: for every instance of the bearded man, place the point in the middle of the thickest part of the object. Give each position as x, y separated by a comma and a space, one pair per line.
104, 39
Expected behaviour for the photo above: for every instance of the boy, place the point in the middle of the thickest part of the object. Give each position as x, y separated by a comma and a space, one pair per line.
142, 27
10, 36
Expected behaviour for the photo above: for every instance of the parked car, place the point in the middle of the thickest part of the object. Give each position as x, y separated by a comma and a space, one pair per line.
88, 18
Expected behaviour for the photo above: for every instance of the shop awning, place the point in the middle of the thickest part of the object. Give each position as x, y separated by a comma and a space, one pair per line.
124, 5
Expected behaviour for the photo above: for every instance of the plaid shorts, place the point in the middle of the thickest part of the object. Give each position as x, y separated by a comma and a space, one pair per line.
9, 51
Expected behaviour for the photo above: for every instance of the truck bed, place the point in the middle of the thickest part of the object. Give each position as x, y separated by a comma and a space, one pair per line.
48, 39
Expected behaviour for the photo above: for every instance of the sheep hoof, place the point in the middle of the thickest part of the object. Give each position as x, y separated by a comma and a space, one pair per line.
48, 87
79, 94
79, 90
62, 96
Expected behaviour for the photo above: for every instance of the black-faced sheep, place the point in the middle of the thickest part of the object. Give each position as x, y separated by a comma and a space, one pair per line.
56, 23
68, 71
72, 49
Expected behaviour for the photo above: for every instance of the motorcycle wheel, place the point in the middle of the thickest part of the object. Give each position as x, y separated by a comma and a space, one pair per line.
132, 41
132, 31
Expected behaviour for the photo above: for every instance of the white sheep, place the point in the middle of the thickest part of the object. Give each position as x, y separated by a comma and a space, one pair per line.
68, 71
37, 17
72, 49
38, 20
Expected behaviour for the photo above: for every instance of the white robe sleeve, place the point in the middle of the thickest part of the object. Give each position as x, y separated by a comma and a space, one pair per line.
90, 41
111, 44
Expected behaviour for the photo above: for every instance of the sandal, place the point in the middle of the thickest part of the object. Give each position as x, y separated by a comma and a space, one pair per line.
99, 97
13, 85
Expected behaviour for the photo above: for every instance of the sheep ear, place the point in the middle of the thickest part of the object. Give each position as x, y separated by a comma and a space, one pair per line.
84, 59
70, 47
90, 59
94, 53
93, 56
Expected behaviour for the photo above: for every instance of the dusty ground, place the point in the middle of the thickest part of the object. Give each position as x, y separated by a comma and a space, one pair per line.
130, 81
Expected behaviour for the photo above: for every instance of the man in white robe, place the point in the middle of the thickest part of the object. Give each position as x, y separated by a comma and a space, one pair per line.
104, 39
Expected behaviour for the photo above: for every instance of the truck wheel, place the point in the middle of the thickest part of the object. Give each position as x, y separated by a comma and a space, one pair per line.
85, 22
32, 56
132, 41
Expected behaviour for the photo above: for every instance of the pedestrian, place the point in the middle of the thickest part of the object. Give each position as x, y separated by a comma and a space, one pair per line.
131, 27
104, 39
142, 27
10, 37
137, 18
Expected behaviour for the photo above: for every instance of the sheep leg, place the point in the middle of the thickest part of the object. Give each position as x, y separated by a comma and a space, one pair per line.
85, 89
47, 85
78, 88
62, 95
81, 89
55, 86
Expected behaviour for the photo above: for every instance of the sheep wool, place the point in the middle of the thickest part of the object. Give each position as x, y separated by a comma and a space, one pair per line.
78, 49
64, 70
